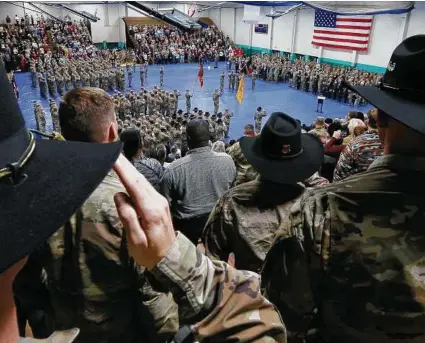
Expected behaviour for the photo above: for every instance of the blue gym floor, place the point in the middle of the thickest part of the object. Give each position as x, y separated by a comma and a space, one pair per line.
271, 96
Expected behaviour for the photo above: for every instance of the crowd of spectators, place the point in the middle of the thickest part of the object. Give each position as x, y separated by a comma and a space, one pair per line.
165, 44
30, 38
330, 214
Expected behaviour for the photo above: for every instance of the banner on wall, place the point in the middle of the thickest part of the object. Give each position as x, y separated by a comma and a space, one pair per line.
251, 14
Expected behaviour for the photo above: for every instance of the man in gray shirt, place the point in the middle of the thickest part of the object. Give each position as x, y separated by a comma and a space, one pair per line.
194, 183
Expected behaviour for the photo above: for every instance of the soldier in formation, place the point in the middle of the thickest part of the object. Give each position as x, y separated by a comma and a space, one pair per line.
40, 117
258, 117
33, 71
310, 76
254, 79
42, 85
129, 75
216, 100
161, 76
188, 96
54, 112
222, 76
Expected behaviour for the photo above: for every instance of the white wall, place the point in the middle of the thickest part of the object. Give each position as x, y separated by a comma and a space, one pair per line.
387, 32
262, 40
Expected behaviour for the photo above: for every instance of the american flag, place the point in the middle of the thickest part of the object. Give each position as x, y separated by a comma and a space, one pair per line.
342, 32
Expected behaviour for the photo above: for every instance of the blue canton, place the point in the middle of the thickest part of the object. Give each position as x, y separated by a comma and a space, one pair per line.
324, 19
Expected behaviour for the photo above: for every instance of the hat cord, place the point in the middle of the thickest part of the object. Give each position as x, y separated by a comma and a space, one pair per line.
14, 169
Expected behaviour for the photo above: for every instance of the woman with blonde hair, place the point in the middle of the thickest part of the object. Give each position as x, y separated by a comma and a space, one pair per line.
356, 127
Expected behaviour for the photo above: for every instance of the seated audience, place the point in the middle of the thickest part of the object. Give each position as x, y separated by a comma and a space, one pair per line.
246, 218
193, 184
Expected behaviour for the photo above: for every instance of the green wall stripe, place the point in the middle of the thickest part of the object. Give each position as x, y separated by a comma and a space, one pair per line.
256, 50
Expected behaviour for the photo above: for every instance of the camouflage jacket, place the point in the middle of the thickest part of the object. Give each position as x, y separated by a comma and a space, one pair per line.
245, 172
348, 262
246, 219
67, 336
95, 286
228, 300
358, 155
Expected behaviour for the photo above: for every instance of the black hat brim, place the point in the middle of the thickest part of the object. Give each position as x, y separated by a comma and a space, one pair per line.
401, 109
285, 171
61, 175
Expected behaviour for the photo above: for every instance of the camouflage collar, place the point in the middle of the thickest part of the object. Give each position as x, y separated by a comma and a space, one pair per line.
66, 336
392, 162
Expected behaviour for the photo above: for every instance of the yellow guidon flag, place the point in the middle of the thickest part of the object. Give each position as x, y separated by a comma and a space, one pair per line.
239, 94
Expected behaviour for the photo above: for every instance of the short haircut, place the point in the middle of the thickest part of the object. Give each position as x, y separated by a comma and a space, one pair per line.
372, 116
132, 140
249, 128
84, 112
198, 133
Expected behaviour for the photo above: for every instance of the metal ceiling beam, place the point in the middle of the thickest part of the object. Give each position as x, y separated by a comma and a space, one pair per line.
156, 14
78, 13
25, 8
45, 12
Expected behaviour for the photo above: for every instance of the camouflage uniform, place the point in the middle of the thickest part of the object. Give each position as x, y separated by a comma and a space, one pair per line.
215, 289
259, 115
54, 112
130, 76
122, 308
358, 155
216, 100
51, 83
188, 101
161, 76
42, 85
254, 79
40, 117
222, 75
353, 254
59, 84
245, 172
245, 219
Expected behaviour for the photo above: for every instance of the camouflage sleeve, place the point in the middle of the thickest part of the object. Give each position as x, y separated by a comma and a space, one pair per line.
315, 180
226, 302
157, 310
215, 234
287, 277
345, 164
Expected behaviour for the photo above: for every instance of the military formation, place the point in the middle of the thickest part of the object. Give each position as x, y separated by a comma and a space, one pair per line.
309, 76
58, 77
155, 113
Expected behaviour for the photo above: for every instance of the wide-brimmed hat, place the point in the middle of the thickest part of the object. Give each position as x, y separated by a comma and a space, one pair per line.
281, 153
401, 93
42, 182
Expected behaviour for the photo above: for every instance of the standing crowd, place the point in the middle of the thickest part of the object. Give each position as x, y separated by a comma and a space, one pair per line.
30, 38
163, 237
167, 44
